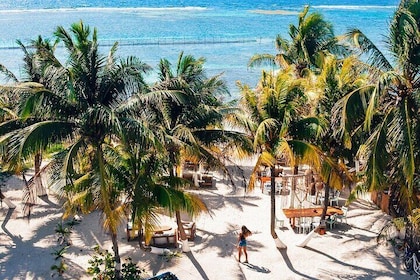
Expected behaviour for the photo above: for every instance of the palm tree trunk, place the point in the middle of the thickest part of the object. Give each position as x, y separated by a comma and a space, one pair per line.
293, 192
141, 238
277, 240
117, 257
108, 209
183, 236
326, 201
39, 188
273, 203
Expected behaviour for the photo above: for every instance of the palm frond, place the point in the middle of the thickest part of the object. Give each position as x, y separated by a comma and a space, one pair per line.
375, 56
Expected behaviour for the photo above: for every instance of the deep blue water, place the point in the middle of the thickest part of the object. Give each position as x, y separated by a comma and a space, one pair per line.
226, 33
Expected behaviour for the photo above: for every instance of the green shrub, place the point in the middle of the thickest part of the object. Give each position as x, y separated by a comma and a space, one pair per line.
102, 267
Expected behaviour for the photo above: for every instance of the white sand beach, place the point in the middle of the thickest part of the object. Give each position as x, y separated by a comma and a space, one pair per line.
348, 251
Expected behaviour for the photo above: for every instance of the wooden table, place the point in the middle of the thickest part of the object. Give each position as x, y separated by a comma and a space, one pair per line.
293, 213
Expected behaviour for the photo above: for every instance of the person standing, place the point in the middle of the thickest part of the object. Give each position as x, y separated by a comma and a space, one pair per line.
245, 232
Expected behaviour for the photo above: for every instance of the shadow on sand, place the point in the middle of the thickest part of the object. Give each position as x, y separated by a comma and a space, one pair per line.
197, 265
289, 264
256, 268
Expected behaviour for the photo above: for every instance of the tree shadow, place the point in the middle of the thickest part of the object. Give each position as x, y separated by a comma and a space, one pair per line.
370, 273
225, 242
215, 200
6, 220
46, 199
197, 265
19, 254
289, 264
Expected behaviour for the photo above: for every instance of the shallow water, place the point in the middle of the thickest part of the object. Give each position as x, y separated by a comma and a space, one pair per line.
226, 34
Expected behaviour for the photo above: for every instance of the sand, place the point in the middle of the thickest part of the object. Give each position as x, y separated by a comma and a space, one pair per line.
348, 251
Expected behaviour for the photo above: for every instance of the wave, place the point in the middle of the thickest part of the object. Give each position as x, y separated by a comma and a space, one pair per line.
105, 9
353, 7
274, 12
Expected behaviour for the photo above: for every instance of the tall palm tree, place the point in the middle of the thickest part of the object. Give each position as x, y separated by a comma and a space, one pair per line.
79, 110
308, 40
391, 113
280, 128
37, 56
191, 120
337, 78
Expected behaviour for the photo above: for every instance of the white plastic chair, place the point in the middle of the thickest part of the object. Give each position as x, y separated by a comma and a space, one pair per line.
332, 198
344, 216
305, 225
335, 198
279, 223
331, 221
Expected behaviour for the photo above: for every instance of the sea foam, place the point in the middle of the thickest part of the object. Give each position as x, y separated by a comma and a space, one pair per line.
105, 9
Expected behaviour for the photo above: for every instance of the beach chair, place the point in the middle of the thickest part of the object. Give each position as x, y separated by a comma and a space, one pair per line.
189, 226
305, 225
335, 198
206, 181
331, 220
279, 223
344, 216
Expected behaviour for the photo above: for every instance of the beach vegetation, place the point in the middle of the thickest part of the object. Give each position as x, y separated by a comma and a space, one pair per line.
117, 145
76, 105
190, 124
308, 41
60, 268
292, 105
390, 107
279, 127
102, 266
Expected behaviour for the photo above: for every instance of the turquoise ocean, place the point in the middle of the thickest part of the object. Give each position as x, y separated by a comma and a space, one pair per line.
226, 33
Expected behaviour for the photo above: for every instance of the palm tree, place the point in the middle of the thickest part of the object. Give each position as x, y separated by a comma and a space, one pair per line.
139, 164
191, 121
391, 113
34, 65
336, 79
280, 128
79, 110
308, 40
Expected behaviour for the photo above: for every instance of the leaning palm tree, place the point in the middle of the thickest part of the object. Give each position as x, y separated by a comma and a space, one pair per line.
79, 110
391, 113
